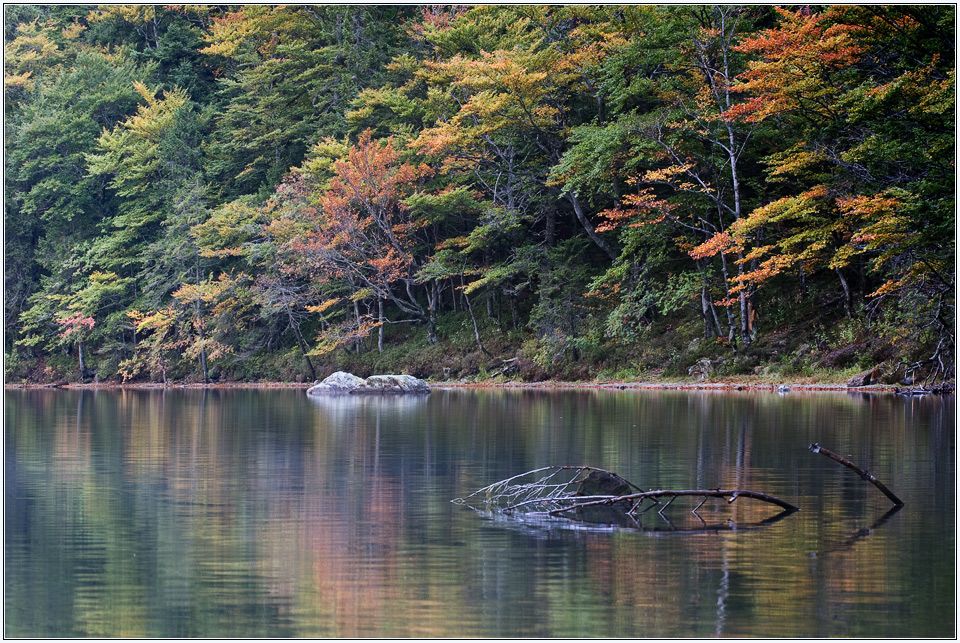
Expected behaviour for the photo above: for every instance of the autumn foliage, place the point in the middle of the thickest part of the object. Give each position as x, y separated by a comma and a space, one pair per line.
205, 191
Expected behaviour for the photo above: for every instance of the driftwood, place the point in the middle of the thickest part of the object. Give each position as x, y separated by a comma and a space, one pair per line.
865, 475
578, 492
673, 494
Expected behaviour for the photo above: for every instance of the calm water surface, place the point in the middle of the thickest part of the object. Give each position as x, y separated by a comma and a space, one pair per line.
248, 513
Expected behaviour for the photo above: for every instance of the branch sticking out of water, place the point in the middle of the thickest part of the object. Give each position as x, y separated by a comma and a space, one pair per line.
673, 494
561, 489
865, 475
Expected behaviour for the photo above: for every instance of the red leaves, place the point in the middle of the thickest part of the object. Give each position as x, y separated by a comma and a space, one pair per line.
797, 67
75, 325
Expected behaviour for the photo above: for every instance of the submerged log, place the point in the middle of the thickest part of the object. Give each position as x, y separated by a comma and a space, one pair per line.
865, 475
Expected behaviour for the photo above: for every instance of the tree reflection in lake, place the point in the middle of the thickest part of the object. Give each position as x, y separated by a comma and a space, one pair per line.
242, 513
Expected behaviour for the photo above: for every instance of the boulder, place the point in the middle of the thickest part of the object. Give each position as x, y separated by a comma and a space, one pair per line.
395, 384
604, 483
341, 383
702, 370
865, 378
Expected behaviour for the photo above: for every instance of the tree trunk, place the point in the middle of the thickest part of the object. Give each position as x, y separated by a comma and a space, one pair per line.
711, 325
356, 316
591, 232
83, 367
380, 328
726, 287
203, 351
745, 333
301, 343
433, 299
847, 298
551, 228
476, 328
203, 365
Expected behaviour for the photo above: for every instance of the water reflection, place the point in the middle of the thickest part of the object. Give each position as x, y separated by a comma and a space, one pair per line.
268, 513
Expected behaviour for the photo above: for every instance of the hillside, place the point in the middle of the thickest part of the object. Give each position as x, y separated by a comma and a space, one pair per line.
268, 193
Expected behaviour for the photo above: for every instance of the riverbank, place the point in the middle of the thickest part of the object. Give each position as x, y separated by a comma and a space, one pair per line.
739, 385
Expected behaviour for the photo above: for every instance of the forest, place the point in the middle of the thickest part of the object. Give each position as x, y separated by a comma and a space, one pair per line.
236, 193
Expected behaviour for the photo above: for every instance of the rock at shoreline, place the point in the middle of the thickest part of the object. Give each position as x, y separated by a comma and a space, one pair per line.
341, 383
865, 378
702, 370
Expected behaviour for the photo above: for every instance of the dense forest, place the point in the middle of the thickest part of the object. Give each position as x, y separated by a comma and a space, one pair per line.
254, 192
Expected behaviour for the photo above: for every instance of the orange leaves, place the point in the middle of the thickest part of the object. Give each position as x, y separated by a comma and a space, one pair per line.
435, 18
370, 177
815, 229
797, 67
639, 209
357, 230
363, 210
720, 242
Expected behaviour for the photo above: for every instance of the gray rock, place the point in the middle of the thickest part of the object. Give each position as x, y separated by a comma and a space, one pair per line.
341, 383
396, 384
702, 370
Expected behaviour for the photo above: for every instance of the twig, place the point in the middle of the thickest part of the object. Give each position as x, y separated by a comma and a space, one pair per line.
866, 475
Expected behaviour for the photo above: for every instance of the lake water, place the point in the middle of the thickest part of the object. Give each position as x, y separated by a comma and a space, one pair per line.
265, 513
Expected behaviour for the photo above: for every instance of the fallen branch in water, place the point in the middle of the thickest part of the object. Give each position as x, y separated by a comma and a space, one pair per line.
865, 475
673, 494
558, 490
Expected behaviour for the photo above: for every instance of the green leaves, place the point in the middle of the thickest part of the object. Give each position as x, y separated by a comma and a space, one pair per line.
215, 179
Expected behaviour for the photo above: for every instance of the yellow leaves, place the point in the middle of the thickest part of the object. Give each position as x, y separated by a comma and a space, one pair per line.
159, 114
252, 27
159, 320
814, 229
228, 229
338, 335
666, 174
794, 161
923, 91
18, 83
33, 51
438, 140
323, 306
206, 291
132, 13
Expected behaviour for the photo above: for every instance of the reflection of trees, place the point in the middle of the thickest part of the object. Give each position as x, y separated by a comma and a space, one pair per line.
260, 513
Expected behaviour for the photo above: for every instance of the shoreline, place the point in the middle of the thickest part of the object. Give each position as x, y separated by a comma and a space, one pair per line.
544, 385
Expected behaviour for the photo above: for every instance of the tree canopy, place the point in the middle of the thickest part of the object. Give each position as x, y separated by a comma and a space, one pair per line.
199, 192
